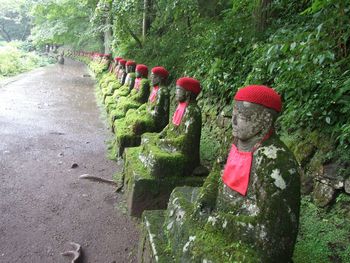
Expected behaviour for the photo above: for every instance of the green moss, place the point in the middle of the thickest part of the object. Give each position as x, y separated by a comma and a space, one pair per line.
324, 235
152, 220
123, 105
111, 150
144, 190
98, 68
215, 247
209, 146
133, 164
188, 241
140, 121
122, 91
107, 79
124, 136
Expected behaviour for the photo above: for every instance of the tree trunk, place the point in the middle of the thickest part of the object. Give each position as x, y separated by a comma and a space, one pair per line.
5, 34
262, 15
107, 41
146, 17
107, 36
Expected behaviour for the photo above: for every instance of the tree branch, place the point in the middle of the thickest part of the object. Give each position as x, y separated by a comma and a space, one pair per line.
133, 35
5, 34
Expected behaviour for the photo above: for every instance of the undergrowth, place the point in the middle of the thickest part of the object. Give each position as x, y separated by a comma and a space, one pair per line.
324, 234
15, 60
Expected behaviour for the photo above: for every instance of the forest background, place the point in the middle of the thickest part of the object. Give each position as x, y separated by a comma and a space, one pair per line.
301, 48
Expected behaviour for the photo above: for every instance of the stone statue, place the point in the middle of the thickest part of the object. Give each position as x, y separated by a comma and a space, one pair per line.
152, 116
100, 64
111, 76
60, 58
125, 67
131, 96
136, 81
167, 159
248, 212
115, 89
108, 90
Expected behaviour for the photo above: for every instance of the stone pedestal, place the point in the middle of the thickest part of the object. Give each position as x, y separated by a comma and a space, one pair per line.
145, 191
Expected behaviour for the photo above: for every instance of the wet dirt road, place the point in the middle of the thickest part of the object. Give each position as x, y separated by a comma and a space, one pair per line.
49, 120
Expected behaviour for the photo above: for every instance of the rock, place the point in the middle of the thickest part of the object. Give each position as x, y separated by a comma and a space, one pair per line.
323, 194
74, 165
330, 173
307, 184
347, 185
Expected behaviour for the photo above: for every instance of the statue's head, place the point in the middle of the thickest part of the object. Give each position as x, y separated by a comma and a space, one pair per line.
141, 71
255, 110
187, 89
117, 59
107, 57
159, 75
130, 66
122, 63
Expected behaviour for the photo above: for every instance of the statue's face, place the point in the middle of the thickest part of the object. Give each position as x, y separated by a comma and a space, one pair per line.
155, 79
248, 119
180, 94
138, 74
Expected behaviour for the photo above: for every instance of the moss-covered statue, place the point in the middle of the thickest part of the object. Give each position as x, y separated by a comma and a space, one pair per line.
248, 212
100, 64
111, 76
108, 90
152, 116
130, 97
167, 159
60, 58
129, 83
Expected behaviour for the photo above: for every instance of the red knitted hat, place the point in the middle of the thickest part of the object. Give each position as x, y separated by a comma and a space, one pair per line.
131, 63
143, 69
262, 95
161, 72
122, 61
117, 58
189, 84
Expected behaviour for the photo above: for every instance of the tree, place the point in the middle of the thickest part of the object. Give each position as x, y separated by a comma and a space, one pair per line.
65, 22
14, 20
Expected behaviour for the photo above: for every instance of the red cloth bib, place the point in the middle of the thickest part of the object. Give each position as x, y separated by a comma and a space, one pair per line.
237, 170
179, 113
153, 96
137, 83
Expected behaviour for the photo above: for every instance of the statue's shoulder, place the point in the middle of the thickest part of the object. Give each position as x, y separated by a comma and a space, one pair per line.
195, 109
274, 160
145, 82
132, 75
164, 90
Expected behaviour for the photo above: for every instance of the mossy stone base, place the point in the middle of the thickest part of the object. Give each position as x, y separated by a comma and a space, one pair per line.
153, 246
146, 192
174, 236
124, 104
128, 130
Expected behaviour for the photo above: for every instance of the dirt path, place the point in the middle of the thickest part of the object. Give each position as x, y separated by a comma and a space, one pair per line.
48, 121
